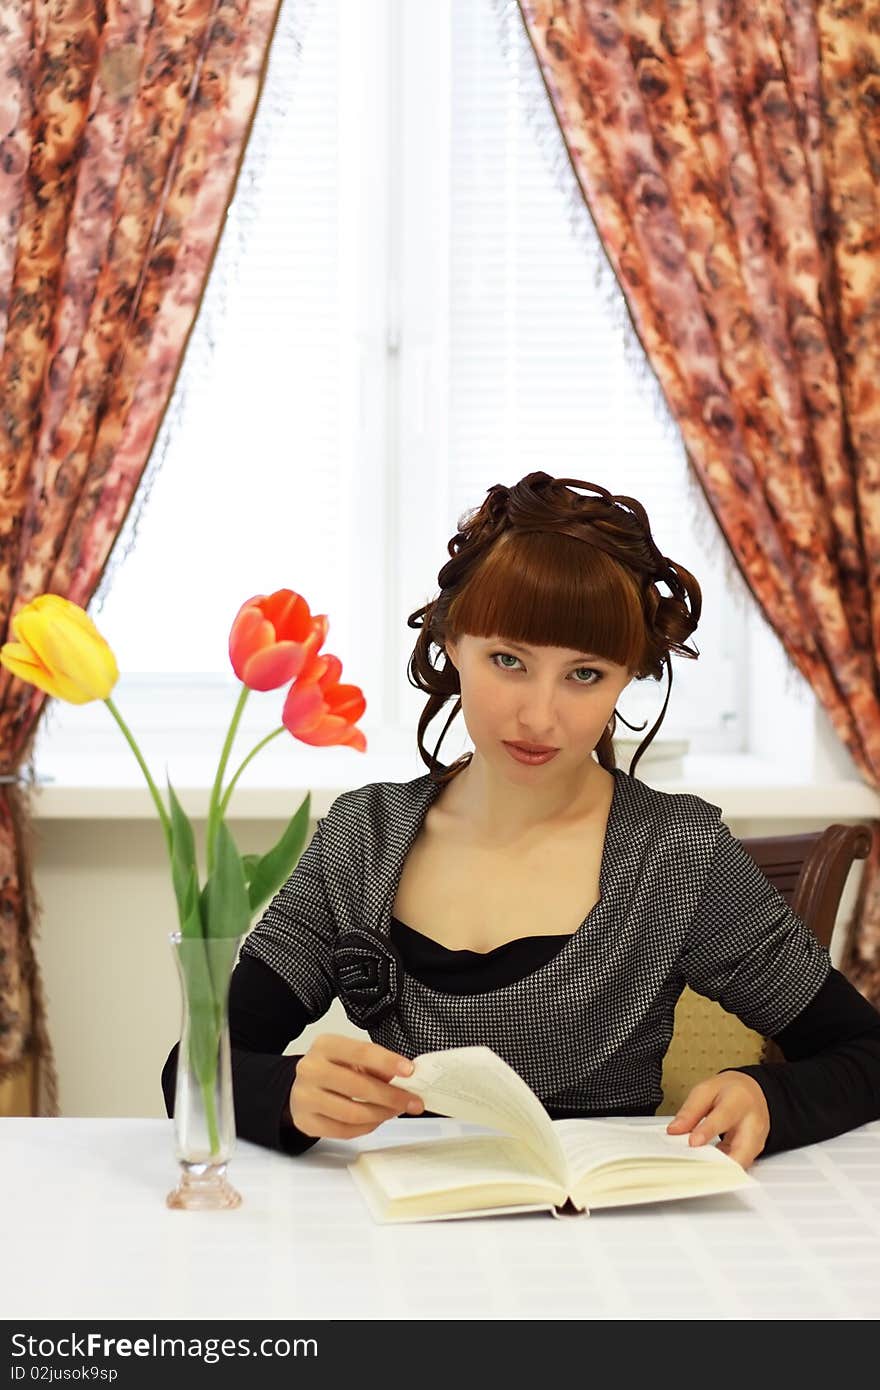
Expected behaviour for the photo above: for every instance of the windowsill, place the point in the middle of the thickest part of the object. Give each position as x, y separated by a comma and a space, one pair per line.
742, 784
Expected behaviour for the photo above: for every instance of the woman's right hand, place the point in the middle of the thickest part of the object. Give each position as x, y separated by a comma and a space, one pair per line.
341, 1089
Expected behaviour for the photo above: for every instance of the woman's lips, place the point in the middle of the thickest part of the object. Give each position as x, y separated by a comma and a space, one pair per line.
526, 755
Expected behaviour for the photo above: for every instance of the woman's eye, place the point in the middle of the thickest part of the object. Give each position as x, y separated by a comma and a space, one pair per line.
578, 671
592, 672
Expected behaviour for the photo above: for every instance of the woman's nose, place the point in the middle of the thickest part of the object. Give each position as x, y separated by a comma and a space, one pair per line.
536, 711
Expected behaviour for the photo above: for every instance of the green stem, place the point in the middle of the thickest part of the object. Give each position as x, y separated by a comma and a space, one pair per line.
214, 812
207, 1088
252, 754
154, 790
204, 1061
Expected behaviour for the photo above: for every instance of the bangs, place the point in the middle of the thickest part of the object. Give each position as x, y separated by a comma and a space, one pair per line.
551, 590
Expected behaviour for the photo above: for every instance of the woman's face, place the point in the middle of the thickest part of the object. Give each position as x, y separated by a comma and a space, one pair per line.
548, 696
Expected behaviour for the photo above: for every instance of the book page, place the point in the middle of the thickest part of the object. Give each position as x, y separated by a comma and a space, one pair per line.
444, 1165
438, 1208
475, 1084
590, 1143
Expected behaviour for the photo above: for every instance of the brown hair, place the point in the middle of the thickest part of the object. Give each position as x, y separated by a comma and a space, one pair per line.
539, 564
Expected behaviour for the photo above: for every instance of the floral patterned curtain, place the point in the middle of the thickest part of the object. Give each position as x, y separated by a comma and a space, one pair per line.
124, 123
729, 156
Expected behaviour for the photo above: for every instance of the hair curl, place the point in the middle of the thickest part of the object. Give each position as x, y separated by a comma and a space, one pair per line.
540, 564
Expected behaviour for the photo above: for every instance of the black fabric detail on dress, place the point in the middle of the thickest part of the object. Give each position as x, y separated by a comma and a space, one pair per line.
471, 972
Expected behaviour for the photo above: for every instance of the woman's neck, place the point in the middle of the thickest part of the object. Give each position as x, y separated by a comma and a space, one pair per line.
497, 812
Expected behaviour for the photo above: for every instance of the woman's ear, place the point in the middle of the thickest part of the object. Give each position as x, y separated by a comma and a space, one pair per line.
451, 653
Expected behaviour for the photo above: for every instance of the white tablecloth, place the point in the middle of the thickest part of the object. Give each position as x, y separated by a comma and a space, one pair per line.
85, 1233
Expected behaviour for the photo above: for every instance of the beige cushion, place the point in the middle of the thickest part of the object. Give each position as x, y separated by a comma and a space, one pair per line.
705, 1041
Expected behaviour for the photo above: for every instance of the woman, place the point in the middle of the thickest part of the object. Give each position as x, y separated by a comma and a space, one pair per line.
449, 910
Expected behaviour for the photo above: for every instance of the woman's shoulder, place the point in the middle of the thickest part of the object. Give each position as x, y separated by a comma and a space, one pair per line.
663, 810
380, 804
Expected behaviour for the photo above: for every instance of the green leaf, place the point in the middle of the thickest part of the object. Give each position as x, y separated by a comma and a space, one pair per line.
191, 923
183, 856
249, 862
277, 864
229, 910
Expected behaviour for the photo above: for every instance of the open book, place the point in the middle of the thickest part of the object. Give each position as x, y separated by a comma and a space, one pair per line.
567, 1167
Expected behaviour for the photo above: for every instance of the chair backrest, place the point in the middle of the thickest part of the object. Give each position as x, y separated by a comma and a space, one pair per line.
810, 872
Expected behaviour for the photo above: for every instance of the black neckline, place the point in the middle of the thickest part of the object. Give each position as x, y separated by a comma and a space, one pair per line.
463, 952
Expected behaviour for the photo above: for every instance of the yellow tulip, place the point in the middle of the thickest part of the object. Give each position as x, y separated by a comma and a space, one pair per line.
59, 650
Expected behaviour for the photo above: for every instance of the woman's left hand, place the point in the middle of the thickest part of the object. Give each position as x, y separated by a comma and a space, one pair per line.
731, 1104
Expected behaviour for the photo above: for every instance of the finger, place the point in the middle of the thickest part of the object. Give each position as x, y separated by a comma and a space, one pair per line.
368, 1056
326, 1109
744, 1142
359, 1085
696, 1105
347, 1111
335, 1129
719, 1120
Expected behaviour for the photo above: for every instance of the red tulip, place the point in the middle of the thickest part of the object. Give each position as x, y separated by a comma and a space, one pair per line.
274, 638
320, 711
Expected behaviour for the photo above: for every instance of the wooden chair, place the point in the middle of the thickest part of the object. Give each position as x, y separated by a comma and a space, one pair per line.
810, 872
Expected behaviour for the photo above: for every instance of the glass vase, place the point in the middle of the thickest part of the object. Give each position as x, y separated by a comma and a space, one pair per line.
204, 1113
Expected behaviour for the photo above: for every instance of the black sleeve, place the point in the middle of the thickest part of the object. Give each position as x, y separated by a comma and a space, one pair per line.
830, 1080
264, 1015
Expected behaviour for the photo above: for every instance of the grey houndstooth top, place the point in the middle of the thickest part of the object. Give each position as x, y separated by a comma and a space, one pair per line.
681, 902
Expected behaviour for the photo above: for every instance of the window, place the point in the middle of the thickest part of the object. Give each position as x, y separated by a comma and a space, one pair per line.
400, 316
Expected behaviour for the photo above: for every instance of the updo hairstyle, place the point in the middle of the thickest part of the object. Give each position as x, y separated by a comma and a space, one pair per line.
540, 564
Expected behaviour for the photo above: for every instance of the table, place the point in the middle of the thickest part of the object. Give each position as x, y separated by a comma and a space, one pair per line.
85, 1233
